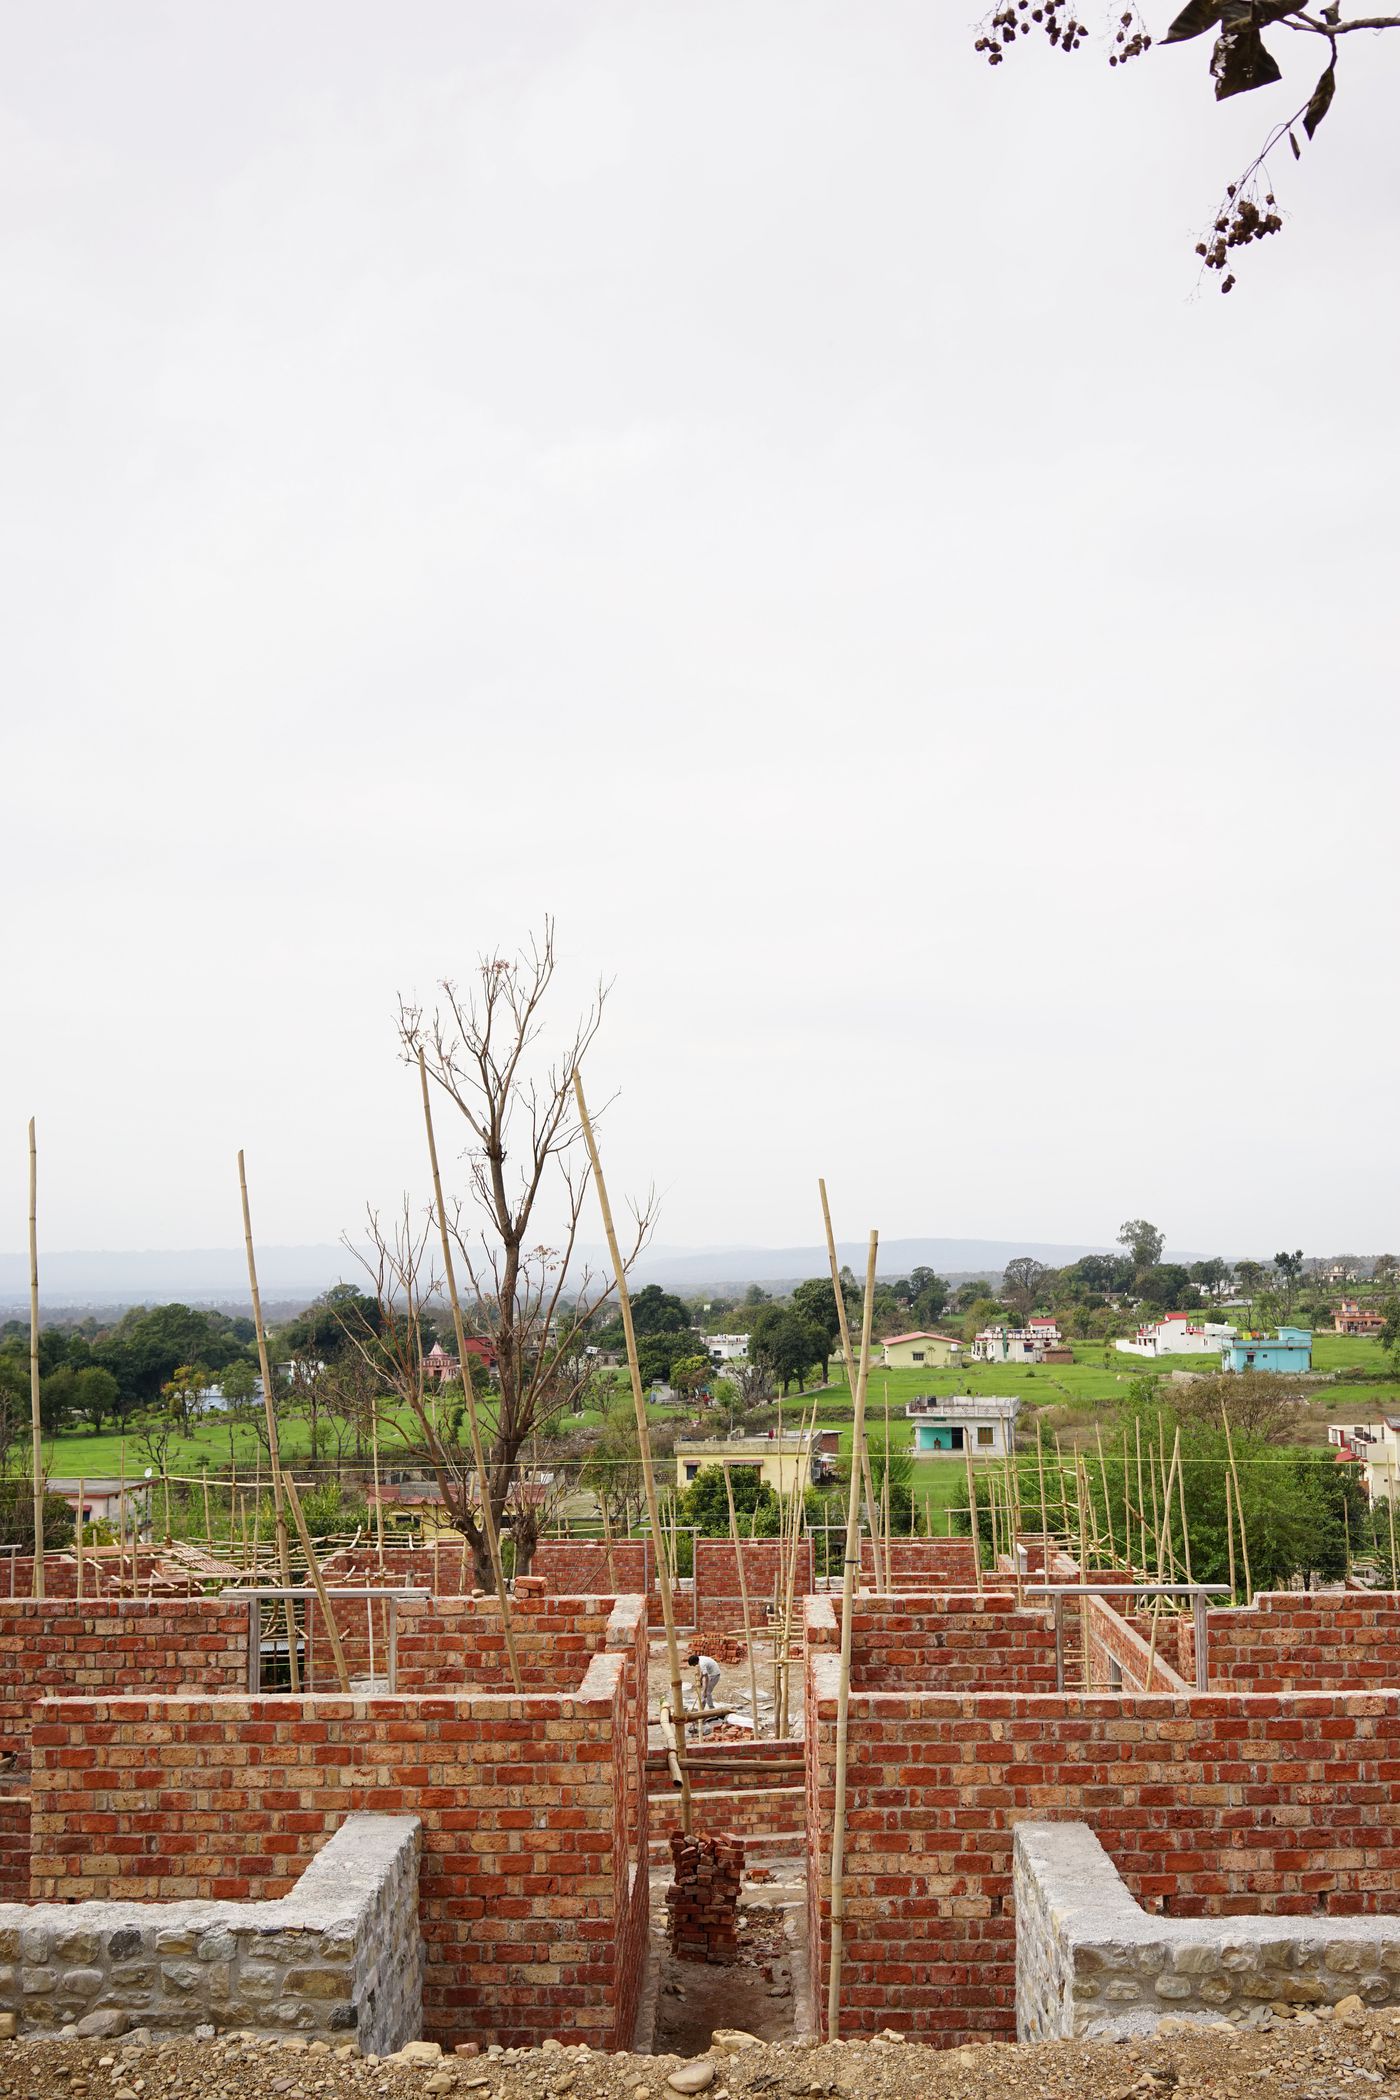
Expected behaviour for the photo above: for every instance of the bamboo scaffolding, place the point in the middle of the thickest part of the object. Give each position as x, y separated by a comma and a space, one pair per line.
847, 1354
313, 1569
1181, 1497
1044, 1512
1230, 1531
608, 1548
35, 1417
643, 1440
743, 1598
1141, 1496
1127, 1510
78, 1537
782, 1718
488, 1514
274, 1451
843, 1702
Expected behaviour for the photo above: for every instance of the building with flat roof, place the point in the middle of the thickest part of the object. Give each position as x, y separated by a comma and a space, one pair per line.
794, 1459
1289, 1350
946, 1426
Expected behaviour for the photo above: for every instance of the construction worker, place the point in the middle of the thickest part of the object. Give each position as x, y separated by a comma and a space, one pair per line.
708, 1670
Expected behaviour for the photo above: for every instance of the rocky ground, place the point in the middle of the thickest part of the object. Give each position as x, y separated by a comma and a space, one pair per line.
1305, 2058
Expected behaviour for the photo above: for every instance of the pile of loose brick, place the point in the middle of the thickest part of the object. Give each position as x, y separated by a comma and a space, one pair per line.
703, 1899
732, 1648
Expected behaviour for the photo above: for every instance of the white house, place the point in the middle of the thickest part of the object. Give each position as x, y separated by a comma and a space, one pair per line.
1177, 1335
1375, 1447
727, 1348
978, 1422
1009, 1345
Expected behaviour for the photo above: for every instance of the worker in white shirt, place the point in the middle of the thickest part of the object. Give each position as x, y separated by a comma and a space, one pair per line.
708, 1670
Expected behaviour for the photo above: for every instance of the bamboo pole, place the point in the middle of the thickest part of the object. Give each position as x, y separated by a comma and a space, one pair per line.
208, 1527
1044, 1511
378, 1496
743, 1599
1230, 1532
849, 1359
314, 1570
643, 1441
790, 1586
1127, 1510
1239, 1505
78, 1539
1181, 1498
274, 1449
488, 1515
843, 1700
612, 1565
972, 1517
36, 1425
1107, 1498
1141, 1495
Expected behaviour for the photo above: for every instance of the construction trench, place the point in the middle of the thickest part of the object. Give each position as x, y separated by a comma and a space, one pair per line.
1025, 1759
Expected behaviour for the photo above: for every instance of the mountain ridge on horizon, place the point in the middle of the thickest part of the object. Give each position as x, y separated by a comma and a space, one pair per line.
135, 1275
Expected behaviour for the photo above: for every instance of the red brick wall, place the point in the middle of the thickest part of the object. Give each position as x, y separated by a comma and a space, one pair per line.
457, 1642
946, 1643
51, 1646
924, 1564
14, 1843
1143, 1661
533, 1890
581, 1567
719, 1607
403, 1567
1232, 1803
1330, 1640
105, 1574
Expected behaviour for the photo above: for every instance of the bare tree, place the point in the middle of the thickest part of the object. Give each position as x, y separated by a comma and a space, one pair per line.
524, 1156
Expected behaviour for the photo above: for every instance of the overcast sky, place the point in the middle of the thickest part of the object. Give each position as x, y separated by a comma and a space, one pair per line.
743, 477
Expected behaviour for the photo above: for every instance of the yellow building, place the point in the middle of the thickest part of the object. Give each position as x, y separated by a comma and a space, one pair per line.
781, 1463
921, 1352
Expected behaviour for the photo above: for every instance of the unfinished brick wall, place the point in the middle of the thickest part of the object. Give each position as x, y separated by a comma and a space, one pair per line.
584, 1568
1329, 1640
533, 1889
924, 1564
106, 1573
455, 1642
1125, 1653
51, 1646
952, 1642
1211, 1804
718, 1605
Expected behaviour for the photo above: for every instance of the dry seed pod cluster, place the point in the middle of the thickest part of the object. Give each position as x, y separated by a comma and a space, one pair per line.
1053, 16
1241, 222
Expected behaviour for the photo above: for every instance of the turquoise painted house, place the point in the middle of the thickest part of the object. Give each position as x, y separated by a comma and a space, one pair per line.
1288, 1350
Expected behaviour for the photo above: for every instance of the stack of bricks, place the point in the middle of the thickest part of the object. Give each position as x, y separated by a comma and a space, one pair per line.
703, 1899
732, 1649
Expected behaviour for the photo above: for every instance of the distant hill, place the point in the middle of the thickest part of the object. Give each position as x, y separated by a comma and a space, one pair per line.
219, 1275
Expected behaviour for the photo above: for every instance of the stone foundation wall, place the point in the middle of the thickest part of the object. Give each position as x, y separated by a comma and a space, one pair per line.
340, 1957
1090, 1961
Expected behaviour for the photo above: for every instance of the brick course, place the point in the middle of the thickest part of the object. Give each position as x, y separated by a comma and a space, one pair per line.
533, 1891
1328, 1640
1211, 1804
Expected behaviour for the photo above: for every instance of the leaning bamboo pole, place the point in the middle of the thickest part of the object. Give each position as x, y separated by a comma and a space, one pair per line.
639, 1404
1239, 1507
488, 1515
313, 1567
743, 1598
843, 1697
36, 1424
1230, 1532
1181, 1497
848, 1358
790, 1585
284, 1551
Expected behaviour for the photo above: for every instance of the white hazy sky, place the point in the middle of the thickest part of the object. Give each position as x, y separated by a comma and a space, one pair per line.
742, 476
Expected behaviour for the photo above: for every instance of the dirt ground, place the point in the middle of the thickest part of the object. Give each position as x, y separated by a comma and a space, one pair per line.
765, 1992
1297, 2059
734, 1686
